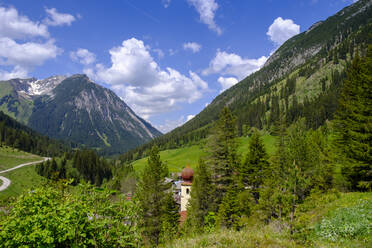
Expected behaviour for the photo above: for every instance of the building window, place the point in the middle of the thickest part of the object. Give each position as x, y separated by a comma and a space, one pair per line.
187, 191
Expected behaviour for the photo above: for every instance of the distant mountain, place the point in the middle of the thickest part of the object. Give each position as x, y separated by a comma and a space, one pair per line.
75, 109
301, 79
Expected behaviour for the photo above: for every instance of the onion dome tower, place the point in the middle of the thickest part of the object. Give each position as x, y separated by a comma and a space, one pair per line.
187, 176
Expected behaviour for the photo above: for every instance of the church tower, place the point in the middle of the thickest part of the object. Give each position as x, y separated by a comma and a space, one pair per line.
187, 176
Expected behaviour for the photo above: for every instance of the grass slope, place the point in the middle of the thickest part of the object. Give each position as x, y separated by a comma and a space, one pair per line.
176, 159
10, 157
21, 179
317, 210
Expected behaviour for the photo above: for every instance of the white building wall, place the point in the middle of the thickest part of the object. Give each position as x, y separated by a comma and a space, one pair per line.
185, 196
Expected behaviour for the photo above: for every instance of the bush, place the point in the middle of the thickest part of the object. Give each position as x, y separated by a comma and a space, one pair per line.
56, 217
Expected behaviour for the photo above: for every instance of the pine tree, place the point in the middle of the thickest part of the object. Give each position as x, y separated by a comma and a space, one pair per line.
223, 156
151, 196
170, 218
229, 211
353, 123
201, 196
255, 167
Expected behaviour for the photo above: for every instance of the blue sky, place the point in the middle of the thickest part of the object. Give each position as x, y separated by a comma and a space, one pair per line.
166, 59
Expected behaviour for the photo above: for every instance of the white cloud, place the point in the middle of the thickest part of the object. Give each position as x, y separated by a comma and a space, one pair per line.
17, 72
15, 26
172, 52
25, 44
138, 79
207, 11
189, 117
192, 46
227, 82
281, 30
159, 52
58, 19
166, 3
83, 56
169, 125
26, 55
234, 65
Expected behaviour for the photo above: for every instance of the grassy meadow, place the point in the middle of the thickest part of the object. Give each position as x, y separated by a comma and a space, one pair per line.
176, 159
21, 179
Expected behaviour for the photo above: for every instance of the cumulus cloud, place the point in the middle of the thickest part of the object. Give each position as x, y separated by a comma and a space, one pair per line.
83, 56
192, 46
17, 72
25, 44
15, 26
26, 55
139, 80
234, 65
207, 11
281, 30
58, 19
227, 82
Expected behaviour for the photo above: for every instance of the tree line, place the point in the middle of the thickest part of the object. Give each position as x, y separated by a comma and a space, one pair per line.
81, 165
18, 136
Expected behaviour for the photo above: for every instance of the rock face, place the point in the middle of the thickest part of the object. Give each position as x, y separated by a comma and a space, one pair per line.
76, 109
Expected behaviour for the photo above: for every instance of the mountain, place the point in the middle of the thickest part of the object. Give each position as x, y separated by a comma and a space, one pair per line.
301, 79
75, 109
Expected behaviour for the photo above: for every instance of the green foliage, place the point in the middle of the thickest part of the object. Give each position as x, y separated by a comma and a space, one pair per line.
57, 217
353, 123
201, 197
256, 165
81, 165
229, 212
347, 223
153, 200
170, 218
222, 151
23, 138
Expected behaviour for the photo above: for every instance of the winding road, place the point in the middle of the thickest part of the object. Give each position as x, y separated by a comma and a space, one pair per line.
6, 181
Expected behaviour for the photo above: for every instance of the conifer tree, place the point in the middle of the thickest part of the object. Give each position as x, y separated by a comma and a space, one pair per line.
255, 167
170, 218
229, 211
201, 196
151, 197
223, 156
353, 123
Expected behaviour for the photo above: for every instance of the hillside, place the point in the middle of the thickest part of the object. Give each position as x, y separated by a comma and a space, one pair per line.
301, 79
323, 221
19, 136
176, 159
75, 109
21, 179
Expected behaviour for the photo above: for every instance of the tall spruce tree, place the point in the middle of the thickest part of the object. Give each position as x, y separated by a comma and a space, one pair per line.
223, 159
170, 218
151, 195
201, 197
353, 123
255, 167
